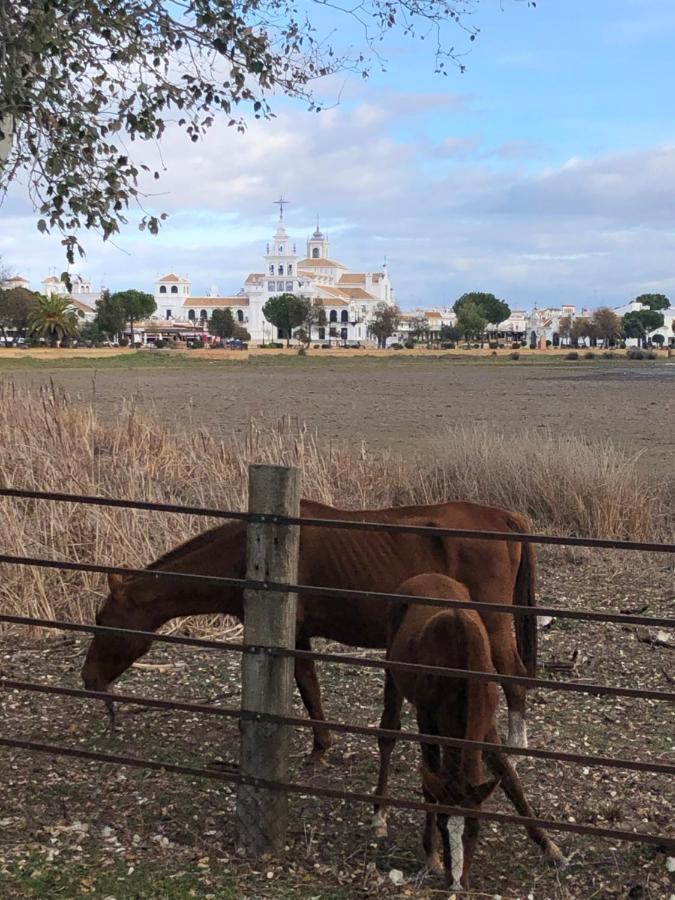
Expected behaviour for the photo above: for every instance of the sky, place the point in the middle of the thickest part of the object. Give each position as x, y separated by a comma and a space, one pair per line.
545, 173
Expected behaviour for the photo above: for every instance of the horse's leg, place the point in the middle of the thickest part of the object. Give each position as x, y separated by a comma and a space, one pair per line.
507, 661
391, 719
471, 827
431, 760
500, 766
310, 691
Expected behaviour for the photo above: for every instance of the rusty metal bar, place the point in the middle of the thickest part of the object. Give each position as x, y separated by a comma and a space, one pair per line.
656, 767
332, 793
523, 538
348, 593
597, 690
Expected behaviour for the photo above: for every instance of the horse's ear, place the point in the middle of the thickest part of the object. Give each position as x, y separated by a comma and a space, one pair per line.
480, 792
115, 582
433, 784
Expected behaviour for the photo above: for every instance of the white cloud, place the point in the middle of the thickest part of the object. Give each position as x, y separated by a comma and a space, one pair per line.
449, 218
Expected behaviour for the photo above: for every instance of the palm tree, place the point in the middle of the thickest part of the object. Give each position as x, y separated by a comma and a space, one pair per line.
54, 319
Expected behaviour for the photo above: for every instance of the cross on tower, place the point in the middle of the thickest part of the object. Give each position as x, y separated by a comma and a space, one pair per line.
281, 202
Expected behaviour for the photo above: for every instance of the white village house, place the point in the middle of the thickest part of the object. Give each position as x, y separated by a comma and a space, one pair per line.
347, 297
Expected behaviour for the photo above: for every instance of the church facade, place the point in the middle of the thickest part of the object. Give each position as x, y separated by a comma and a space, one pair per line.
348, 298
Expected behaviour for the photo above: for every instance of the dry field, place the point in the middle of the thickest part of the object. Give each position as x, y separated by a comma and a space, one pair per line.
71, 829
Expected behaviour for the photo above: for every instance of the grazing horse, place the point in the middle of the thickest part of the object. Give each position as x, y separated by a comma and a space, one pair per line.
494, 572
449, 707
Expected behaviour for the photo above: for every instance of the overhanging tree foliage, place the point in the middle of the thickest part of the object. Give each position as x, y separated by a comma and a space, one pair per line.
81, 80
655, 302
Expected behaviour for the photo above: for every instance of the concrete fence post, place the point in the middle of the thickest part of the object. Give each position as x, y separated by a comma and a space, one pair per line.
267, 679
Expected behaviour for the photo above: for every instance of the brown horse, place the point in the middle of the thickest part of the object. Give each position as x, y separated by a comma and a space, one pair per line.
449, 707
494, 571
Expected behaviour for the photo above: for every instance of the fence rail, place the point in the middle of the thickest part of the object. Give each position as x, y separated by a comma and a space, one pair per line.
286, 587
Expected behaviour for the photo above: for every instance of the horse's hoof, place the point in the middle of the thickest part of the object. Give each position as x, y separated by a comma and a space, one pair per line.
433, 865
554, 856
317, 760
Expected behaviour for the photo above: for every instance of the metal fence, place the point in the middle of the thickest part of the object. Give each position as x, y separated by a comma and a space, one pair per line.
262, 712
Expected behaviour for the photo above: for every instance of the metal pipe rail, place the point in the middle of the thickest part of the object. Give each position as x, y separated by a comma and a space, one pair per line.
430, 531
610, 762
598, 690
332, 793
344, 593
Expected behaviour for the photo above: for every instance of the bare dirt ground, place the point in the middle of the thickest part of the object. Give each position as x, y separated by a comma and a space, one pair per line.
71, 829
399, 403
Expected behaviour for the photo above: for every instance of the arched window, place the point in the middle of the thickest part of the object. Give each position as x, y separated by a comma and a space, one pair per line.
281, 249
203, 315
281, 270
162, 289
289, 270
333, 316
191, 315
315, 253
272, 269
240, 315
344, 316
322, 334
174, 289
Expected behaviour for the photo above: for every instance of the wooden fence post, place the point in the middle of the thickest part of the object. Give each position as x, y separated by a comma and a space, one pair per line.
267, 680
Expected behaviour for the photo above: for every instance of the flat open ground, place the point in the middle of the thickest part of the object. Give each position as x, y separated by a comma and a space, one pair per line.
77, 829
390, 402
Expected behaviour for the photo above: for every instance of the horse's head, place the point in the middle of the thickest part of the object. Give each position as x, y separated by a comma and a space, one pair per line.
110, 655
454, 789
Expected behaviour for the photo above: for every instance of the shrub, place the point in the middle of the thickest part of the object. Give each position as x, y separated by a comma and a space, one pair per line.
396, 346
302, 351
124, 342
494, 353
409, 345
572, 355
448, 345
514, 355
316, 346
608, 355
159, 343
651, 355
589, 355
493, 345
549, 344
635, 353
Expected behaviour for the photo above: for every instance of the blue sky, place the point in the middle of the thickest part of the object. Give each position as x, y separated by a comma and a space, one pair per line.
545, 172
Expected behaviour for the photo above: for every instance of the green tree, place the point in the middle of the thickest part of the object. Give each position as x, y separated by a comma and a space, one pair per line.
16, 306
607, 325
286, 311
654, 301
316, 318
470, 321
639, 323
80, 82
54, 319
384, 322
110, 315
493, 310
450, 333
221, 324
135, 305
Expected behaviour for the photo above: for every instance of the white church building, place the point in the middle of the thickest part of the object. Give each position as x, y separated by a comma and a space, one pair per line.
348, 297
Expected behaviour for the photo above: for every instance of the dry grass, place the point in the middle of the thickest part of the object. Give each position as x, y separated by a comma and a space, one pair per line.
49, 443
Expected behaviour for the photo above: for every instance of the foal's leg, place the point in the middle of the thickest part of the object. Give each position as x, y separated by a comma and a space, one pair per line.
391, 719
471, 827
431, 760
507, 661
500, 766
310, 691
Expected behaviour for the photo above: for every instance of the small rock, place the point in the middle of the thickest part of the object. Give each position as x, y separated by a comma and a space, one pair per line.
670, 864
396, 877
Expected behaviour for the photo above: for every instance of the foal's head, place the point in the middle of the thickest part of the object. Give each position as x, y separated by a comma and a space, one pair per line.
110, 655
454, 789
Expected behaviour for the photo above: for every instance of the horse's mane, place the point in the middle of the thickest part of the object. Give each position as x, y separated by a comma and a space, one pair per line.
190, 546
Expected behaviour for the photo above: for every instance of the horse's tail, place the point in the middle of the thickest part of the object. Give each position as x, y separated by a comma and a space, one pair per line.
524, 595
